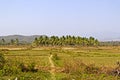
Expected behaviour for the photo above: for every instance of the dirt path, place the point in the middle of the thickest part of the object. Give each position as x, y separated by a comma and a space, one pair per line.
52, 71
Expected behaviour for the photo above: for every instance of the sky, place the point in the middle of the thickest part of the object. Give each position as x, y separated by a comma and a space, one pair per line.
97, 18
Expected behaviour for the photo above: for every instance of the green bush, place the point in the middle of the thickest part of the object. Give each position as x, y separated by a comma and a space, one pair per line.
2, 61
9, 70
28, 68
55, 56
23, 67
32, 67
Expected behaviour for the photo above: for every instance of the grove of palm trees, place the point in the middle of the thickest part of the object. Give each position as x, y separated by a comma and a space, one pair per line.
65, 41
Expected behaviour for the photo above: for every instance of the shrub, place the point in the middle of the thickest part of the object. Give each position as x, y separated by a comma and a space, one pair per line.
23, 67
77, 66
32, 67
2, 61
116, 71
55, 56
28, 68
9, 68
92, 69
7, 71
73, 66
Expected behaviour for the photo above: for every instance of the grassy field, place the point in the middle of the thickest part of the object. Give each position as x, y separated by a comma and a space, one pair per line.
67, 63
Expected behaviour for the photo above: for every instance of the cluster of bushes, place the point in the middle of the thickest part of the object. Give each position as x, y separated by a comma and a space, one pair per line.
11, 69
76, 69
28, 68
6, 67
79, 67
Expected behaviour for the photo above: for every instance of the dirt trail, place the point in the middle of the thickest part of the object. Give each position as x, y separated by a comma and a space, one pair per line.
52, 71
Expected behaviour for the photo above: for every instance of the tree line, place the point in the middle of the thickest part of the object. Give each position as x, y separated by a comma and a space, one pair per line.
60, 41
110, 43
65, 41
12, 42
55, 41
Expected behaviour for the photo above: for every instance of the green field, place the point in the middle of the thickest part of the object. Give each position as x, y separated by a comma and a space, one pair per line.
65, 63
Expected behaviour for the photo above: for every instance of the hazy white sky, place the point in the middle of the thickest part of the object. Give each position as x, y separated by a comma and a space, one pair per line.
98, 18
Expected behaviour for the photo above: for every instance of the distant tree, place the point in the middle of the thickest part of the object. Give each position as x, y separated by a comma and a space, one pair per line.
12, 41
36, 41
17, 41
96, 42
3, 41
91, 41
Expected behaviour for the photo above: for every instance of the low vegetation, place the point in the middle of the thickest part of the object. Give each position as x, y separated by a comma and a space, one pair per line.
59, 58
